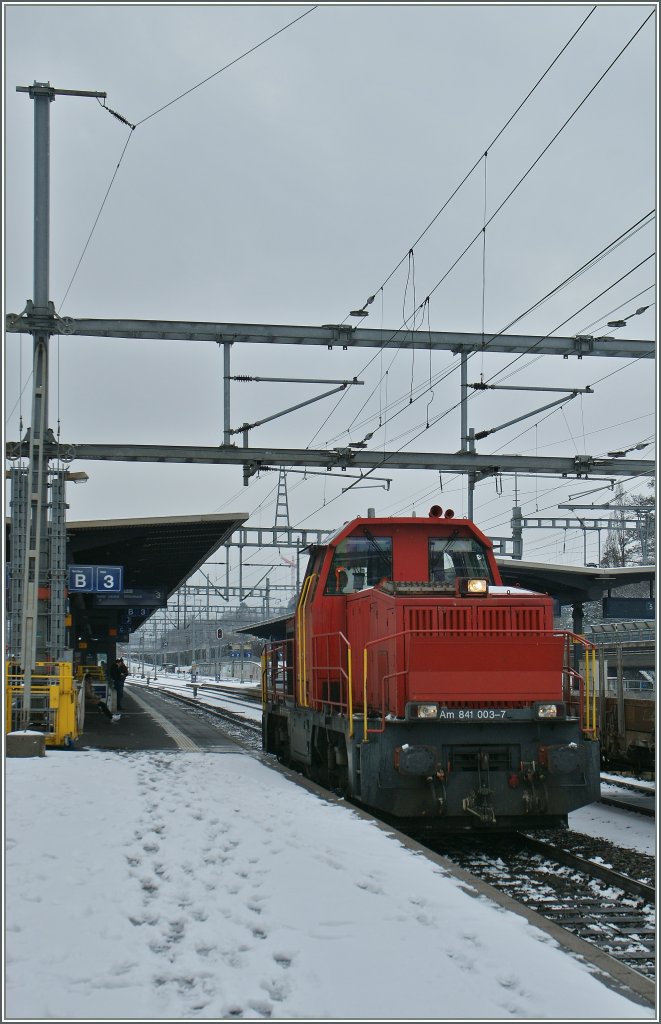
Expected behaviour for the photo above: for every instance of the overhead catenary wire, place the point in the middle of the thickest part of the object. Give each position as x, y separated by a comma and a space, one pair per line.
482, 153
528, 171
158, 111
541, 154
448, 201
225, 67
446, 373
386, 457
624, 236
626, 302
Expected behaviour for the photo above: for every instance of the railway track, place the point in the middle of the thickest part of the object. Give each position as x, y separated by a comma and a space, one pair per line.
629, 794
239, 725
608, 908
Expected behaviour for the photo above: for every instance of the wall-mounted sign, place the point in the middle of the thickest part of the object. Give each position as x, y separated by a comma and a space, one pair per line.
96, 579
150, 597
628, 607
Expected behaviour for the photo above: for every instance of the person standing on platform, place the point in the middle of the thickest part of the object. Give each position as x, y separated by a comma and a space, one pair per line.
117, 681
123, 671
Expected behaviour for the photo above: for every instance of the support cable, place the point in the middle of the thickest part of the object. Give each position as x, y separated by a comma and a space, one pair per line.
454, 193
536, 161
226, 66
451, 408
479, 159
125, 121
588, 265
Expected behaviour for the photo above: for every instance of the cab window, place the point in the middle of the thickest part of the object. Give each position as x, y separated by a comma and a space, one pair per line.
452, 557
359, 562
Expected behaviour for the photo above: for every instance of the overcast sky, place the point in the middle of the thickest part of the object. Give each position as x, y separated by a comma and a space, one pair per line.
286, 189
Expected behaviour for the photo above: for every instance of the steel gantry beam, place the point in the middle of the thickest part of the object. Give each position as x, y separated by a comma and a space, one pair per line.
343, 458
331, 335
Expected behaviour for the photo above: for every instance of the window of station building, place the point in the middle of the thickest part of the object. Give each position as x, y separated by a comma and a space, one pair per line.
452, 557
359, 562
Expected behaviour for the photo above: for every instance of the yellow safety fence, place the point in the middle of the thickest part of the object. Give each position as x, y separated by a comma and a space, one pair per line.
55, 699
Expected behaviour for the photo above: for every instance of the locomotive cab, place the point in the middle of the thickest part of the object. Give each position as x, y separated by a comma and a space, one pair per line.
422, 687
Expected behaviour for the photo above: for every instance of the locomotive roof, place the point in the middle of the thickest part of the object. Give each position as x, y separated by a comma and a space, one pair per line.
419, 522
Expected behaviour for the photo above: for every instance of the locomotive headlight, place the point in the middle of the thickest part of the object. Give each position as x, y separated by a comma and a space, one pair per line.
473, 587
425, 711
547, 710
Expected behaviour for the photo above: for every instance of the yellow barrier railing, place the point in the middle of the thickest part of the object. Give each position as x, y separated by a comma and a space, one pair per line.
301, 635
54, 702
587, 683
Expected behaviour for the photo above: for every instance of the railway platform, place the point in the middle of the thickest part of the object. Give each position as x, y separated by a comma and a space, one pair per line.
149, 721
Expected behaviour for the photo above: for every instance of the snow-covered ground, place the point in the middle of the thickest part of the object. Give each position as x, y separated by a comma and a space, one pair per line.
181, 886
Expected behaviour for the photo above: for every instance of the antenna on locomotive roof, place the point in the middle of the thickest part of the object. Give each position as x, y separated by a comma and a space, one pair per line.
371, 514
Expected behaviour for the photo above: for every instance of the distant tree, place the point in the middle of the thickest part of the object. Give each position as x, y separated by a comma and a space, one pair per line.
646, 530
626, 545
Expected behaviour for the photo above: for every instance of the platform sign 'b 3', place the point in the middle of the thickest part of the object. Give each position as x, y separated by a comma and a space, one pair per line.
96, 579
109, 579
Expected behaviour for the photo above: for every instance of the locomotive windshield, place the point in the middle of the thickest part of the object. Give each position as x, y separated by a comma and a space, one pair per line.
452, 557
359, 562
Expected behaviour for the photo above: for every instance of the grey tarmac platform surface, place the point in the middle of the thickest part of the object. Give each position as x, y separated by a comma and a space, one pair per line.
150, 721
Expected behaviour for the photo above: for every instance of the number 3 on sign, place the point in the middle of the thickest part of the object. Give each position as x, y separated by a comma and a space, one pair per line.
109, 579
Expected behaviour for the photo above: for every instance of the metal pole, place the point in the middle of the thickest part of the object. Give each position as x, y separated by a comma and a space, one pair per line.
621, 722
464, 401
35, 618
471, 476
34, 624
226, 392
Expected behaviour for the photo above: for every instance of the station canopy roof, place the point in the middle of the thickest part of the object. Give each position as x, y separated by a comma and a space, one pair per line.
158, 555
571, 584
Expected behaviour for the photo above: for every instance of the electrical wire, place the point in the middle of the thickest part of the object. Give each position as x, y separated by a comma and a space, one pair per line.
96, 221
626, 235
467, 176
483, 153
158, 111
226, 66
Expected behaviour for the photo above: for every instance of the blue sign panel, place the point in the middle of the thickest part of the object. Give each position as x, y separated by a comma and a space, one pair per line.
628, 607
149, 597
109, 579
96, 579
81, 579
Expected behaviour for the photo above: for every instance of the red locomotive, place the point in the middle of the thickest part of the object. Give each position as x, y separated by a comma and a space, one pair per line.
412, 681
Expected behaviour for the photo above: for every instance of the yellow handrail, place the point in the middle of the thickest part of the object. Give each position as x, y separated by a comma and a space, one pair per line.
595, 726
590, 690
301, 634
590, 650
350, 685
589, 680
